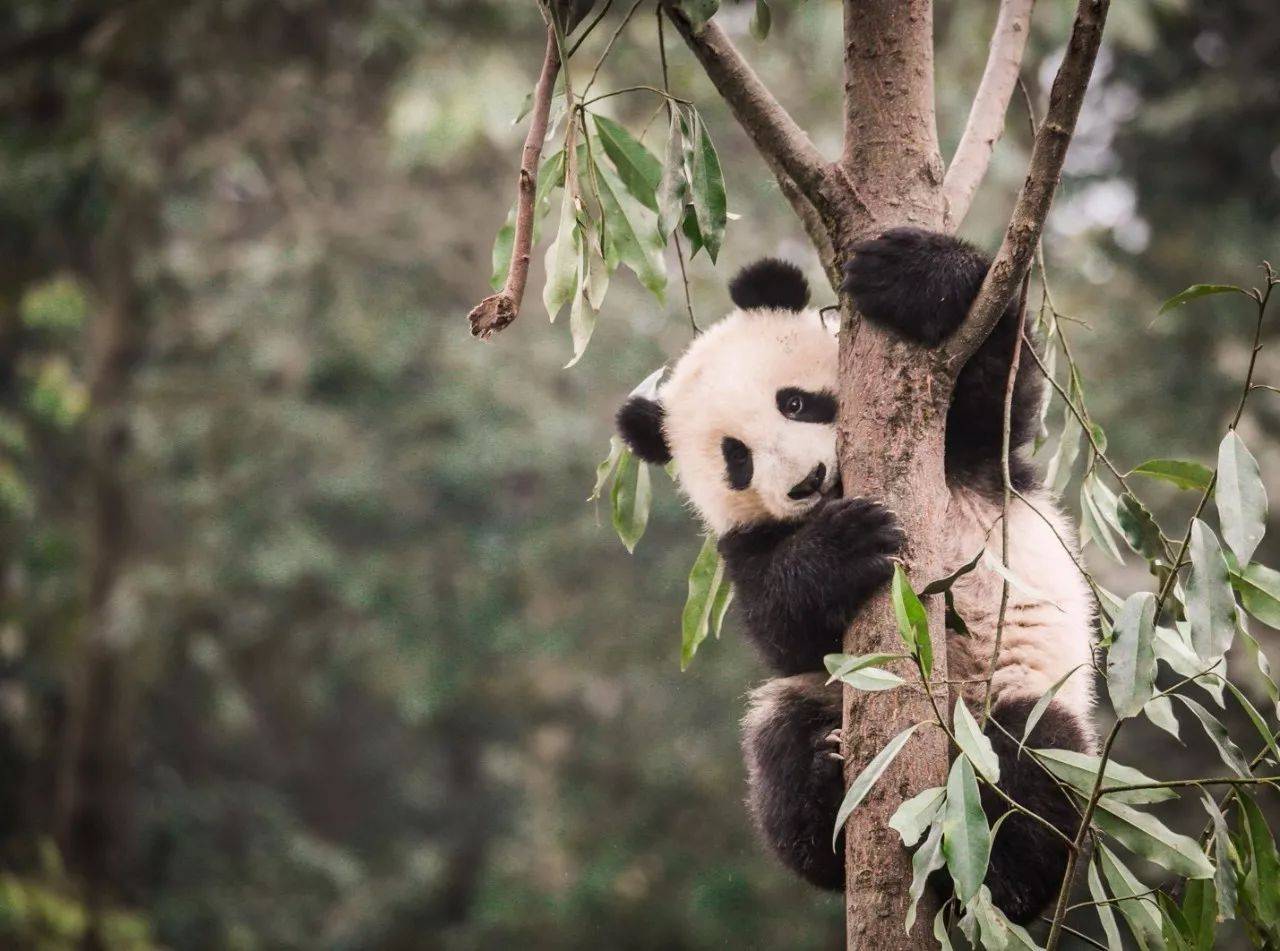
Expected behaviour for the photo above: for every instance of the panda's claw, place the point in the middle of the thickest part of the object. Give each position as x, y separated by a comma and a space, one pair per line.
833, 739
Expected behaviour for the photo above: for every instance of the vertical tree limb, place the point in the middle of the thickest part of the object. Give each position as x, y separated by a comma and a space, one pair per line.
497, 311
986, 116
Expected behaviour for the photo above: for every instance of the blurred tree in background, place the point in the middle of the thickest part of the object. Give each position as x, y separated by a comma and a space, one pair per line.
308, 636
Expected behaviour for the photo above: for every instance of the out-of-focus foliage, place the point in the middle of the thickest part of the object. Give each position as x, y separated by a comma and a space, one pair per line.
388, 680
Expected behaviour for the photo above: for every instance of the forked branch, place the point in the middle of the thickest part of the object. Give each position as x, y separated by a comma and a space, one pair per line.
498, 310
1047, 156
986, 116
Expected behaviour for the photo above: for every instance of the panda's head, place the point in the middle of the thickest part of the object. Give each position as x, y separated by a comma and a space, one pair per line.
748, 412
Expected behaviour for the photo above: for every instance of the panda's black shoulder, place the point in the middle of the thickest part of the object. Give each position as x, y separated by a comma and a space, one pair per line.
770, 283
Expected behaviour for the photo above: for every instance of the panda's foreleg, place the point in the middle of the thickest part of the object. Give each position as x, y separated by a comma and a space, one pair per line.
794, 775
1027, 859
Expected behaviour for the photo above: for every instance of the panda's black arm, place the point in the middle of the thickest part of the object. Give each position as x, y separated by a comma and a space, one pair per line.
920, 284
799, 583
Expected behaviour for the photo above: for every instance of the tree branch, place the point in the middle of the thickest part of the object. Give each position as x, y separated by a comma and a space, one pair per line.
777, 136
498, 310
1032, 208
986, 117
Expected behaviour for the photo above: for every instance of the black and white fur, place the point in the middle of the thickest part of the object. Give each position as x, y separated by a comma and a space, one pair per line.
748, 415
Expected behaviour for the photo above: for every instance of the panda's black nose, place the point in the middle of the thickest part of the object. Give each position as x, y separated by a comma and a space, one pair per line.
811, 483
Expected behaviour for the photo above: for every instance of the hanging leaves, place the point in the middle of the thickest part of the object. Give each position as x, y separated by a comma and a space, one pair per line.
710, 203
1131, 659
1196, 291
636, 166
630, 497
974, 743
1241, 497
709, 595
761, 21
1179, 472
867, 778
673, 186
913, 623
926, 860
916, 814
1211, 607
1145, 835
966, 837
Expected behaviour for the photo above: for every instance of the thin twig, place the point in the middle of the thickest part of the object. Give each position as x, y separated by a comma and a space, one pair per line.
666, 86
609, 46
497, 311
589, 27
1093, 943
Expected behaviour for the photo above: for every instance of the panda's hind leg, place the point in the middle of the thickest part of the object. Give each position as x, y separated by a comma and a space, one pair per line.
790, 743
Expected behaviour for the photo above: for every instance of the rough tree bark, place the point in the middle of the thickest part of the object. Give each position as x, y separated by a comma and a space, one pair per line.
894, 395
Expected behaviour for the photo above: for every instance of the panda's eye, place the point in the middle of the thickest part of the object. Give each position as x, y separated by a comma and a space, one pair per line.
794, 405
806, 406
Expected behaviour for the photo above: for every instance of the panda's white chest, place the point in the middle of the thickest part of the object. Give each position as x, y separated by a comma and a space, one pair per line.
1047, 629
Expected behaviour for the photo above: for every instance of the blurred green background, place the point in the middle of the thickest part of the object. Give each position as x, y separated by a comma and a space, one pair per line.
308, 636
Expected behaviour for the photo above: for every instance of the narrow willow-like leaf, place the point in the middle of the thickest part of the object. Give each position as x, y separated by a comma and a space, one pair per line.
1145, 835
1256, 719
1042, 704
639, 170
1211, 607
761, 21
913, 623
916, 814
1064, 457
631, 232
1224, 872
596, 284
708, 597
872, 679
1228, 752
605, 468
998, 932
672, 187
940, 931
710, 203
1200, 909
966, 837
1254, 650
1196, 291
974, 743
944, 584
630, 497
1259, 588
867, 778
1263, 880
1179, 472
1106, 916
562, 258
1078, 770
841, 665
1092, 522
1159, 710
927, 859
1140, 914
582, 317
1139, 527
1131, 659
1174, 925
1241, 497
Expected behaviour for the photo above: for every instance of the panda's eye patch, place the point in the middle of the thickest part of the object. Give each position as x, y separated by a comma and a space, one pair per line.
737, 462
806, 407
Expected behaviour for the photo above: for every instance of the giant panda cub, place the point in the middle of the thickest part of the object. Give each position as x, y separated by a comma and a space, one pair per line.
748, 415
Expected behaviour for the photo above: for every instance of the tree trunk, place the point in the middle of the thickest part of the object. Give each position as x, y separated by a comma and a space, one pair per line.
893, 406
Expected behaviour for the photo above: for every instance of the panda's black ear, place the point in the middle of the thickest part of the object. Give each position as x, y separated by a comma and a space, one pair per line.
640, 426
770, 283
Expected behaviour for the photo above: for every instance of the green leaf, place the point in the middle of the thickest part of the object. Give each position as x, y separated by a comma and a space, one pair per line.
1105, 913
582, 317
966, 837
1159, 710
1211, 607
710, 203
1145, 835
630, 497
841, 665
1139, 527
1263, 880
998, 932
1195, 291
1224, 872
760, 24
698, 12
672, 186
1042, 704
606, 468
940, 930
1079, 771
916, 814
1093, 524
1200, 909
867, 778
1141, 914
1259, 724
1131, 659
944, 584
1179, 472
974, 743
913, 623
639, 170
1064, 456
1259, 588
1174, 924
1228, 752
872, 679
631, 232
927, 859
1241, 497
562, 258
708, 599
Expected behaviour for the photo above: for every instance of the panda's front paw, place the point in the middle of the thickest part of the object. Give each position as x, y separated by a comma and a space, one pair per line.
861, 529
916, 282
